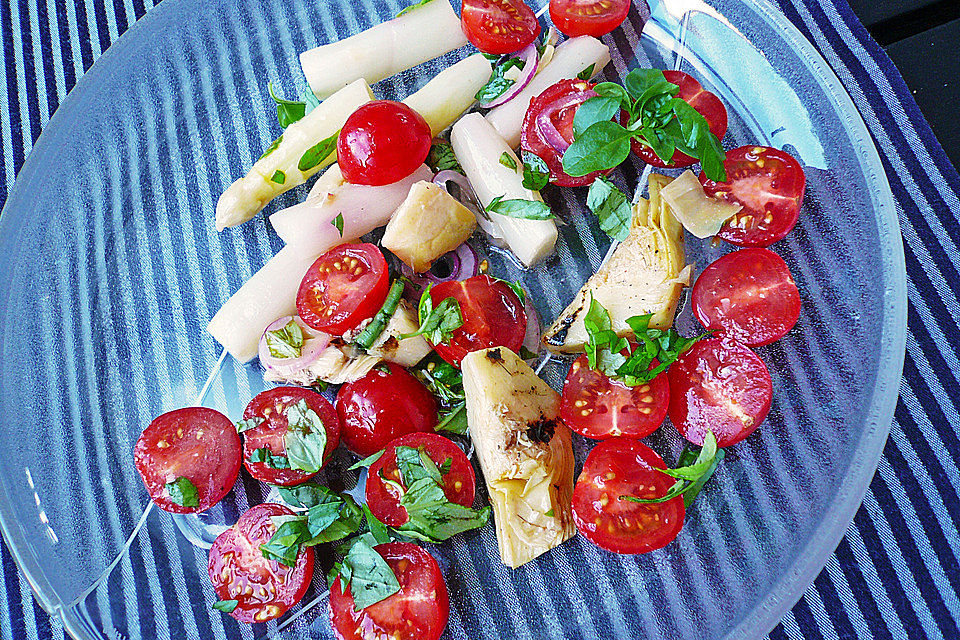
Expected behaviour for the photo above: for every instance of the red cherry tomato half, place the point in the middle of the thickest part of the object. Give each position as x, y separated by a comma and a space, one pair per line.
588, 17
769, 183
382, 142
264, 589
344, 287
748, 295
705, 103
625, 467
598, 407
719, 385
558, 104
493, 316
271, 406
195, 443
459, 483
418, 611
383, 405
498, 26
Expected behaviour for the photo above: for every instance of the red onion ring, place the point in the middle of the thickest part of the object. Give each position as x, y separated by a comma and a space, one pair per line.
531, 339
551, 135
314, 342
459, 264
530, 61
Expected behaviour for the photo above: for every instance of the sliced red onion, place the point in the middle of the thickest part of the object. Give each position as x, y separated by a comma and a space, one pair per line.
551, 135
459, 264
531, 340
529, 57
314, 342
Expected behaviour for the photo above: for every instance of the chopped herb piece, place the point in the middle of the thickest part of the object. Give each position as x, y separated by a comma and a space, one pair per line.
378, 530
438, 323
445, 382
284, 544
412, 7
227, 606
318, 153
273, 147
587, 73
265, 456
497, 85
691, 476
368, 575
536, 174
507, 160
288, 111
286, 342
549, 514
183, 492
454, 420
366, 462
306, 438
442, 157
372, 331
611, 206
248, 423
279, 177
329, 517
338, 223
528, 209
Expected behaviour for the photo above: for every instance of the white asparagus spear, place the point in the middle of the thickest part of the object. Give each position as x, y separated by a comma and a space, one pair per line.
269, 294
450, 92
279, 170
478, 148
310, 224
424, 33
570, 58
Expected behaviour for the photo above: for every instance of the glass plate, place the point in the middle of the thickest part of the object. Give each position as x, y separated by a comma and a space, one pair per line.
111, 268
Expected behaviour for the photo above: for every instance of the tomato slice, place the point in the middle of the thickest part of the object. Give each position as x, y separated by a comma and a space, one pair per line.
769, 183
704, 102
588, 17
195, 443
383, 405
493, 316
625, 467
271, 406
418, 611
599, 407
264, 589
459, 483
344, 287
547, 129
719, 385
498, 26
382, 142
748, 295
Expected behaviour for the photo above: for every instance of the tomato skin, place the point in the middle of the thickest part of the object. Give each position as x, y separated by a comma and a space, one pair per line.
769, 183
624, 466
711, 378
333, 297
270, 406
612, 408
419, 611
236, 565
748, 295
196, 443
459, 484
493, 316
704, 102
380, 407
588, 17
382, 142
532, 141
498, 26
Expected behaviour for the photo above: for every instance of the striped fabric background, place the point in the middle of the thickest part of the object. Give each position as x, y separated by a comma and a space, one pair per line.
895, 575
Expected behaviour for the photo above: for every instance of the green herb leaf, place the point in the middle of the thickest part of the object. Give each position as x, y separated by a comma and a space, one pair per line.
517, 208
438, 323
227, 606
318, 153
369, 576
507, 160
273, 147
338, 223
306, 495
372, 331
602, 146
378, 530
183, 492
279, 177
445, 382
612, 208
347, 523
284, 544
265, 456
587, 73
549, 514
691, 477
306, 438
287, 341
288, 111
592, 111
366, 462
414, 464
497, 85
432, 517
536, 174
454, 420
442, 157
412, 7
603, 345
247, 424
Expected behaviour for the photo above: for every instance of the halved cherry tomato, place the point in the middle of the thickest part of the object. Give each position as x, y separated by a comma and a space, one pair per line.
344, 287
553, 111
588, 17
598, 407
271, 406
493, 316
748, 295
382, 142
498, 26
383, 405
722, 386
705, 103
625, 467
264, 589
459, 483
195, 443
769, 183
418, 611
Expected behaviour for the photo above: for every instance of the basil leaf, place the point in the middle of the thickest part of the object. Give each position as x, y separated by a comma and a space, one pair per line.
227, 606
612, 208
279, 177
712, 155
701, 465
366, 462
414, 464
285, 342
587, 73
372, 331
347, 523
536, 174
284, 544
183, 492
517, 208
369, 576
288, 111
612, 90
602, 146
455, 420
412, 7
594, 110
644, 84
438, 323
338, 223
690, 477
497, 85
432, 517
308, 494
273, 147
249, 423
442, 157
507, 161
306, 438
265, 456
318, 153
378, 530
603, 345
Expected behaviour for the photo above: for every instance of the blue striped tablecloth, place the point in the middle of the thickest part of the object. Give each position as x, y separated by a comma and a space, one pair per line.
895, 574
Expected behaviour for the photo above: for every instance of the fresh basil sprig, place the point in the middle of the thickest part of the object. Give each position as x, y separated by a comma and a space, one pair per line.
611, 206
536, 173
445, 382
438, 323
286, 342
328, 517
306, 438
519, 208
367, 574
183, 492
693, 470
497, 85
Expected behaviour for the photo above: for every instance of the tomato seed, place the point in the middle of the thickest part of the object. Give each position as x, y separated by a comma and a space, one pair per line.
646, 411
163, 444
457, 485
645, 388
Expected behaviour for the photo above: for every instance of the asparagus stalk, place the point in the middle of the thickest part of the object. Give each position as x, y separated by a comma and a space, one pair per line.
451, 92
